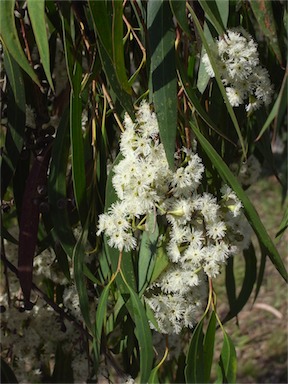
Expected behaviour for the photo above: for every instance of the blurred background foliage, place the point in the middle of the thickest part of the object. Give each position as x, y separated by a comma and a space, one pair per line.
70, 71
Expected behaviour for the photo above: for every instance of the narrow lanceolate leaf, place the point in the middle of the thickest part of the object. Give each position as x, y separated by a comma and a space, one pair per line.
80, 281
36, 9
147, 252
263, 11
163, 83
7, 375
102, 24
179, 11
228, 362
78, 162
250, 211
208, 347
248, 283
16, 121
194, 371
279, 108
143, 334
57, 190
214, 15
118, 48
29, 222
10, 40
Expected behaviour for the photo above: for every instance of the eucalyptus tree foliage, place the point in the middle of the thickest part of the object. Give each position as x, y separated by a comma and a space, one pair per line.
131, 132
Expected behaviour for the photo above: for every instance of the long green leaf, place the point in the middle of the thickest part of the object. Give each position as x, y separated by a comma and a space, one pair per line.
162, 85
10, 40
228, 362
118, 49
80, 281
179, 11
102, 24
143, 334
147, 253
213, 13
263, 12
194, 370
7, 375
36, 9
57, 190
101, 313
208, 347
248, 283
77, 147
279, 108
250, 211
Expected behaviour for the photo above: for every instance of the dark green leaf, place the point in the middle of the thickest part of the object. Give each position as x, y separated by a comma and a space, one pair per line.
63, 372
10, 40
261, 271
215, 15
178, 8
250, 211
263, 12
143, 334
77, 147
147, 252
208, 347
80, 281
194, 371
7, 375
57, 190
36, 9
228, 361
248, 283
118, 49
102, 24
163, 73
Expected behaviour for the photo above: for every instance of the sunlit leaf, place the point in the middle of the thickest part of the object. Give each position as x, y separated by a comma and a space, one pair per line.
162, 85
36, 10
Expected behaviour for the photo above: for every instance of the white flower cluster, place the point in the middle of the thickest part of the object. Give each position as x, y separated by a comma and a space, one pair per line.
201, 232
237, 60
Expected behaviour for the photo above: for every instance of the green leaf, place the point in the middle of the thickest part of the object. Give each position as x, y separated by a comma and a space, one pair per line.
250, 211
16, 80
147, 252
228, 361
80, 281
36, 9
283, 225
63, 372
178, 8
57, 190
118, 49
7, 375
161, 263
208, 347
163, 84
101, 313
263, 12
10, 40
122, 96
215, 11
102, 24
279, 109
260, 271
77, 147
194, 370
142, 332
248, 283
